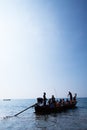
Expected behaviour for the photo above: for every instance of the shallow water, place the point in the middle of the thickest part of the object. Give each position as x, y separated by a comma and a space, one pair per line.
74, 119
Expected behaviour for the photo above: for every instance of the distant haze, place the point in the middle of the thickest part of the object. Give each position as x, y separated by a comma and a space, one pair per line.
43, 48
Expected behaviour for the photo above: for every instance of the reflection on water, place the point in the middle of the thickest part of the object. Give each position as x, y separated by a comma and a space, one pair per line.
45, 121
74, 119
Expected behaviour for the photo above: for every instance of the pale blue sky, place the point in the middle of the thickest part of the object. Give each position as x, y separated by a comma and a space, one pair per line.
43, 47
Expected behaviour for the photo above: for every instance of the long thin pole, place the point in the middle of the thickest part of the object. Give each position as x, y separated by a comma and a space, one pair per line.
24, 110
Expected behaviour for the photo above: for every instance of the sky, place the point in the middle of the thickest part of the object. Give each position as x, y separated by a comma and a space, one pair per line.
43, 48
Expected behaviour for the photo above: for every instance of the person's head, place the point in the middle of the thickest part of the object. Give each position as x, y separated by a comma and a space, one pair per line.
52, 96
44, 93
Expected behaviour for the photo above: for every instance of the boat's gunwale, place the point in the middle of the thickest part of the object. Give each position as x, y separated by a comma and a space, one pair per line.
47, 110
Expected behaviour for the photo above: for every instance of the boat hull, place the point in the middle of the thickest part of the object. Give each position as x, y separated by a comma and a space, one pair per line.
47, 109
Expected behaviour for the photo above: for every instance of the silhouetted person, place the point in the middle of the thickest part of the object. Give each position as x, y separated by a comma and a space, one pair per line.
53, 99
70, 95
74, 98
44, 98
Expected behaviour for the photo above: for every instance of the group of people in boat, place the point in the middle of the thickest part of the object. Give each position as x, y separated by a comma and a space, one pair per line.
52, 102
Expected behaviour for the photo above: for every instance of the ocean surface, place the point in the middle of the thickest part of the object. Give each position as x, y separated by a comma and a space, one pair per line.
74, 119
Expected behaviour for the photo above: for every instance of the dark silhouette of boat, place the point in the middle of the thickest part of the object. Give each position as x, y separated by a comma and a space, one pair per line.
47, 109
6, 99
54, 106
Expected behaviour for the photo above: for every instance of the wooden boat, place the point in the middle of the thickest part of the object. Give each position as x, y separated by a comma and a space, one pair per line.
6, 99
54, 107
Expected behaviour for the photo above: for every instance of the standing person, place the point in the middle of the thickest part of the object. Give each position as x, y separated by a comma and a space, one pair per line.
44, 98
70, 95
74, 98
53, 99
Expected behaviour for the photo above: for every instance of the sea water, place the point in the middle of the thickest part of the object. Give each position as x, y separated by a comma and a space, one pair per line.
73, 119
